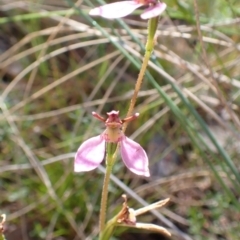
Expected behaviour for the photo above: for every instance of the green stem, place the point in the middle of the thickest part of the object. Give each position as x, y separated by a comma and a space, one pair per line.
152, 26
108, 230
102, 218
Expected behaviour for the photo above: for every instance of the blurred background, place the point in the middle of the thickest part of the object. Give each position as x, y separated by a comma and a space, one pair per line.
58, 64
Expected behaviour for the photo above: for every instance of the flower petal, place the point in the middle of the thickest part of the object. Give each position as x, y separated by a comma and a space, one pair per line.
134, 157
154, 11
116, 10
90, 154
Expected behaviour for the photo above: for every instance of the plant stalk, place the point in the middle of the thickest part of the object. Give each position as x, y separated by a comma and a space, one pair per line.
102, 217
152, 27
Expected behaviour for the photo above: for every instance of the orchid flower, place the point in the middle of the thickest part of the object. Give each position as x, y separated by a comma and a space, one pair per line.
124, 8
91, 153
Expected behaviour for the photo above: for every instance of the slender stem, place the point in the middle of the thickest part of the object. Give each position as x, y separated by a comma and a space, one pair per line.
104, 199
152, 24
138, 83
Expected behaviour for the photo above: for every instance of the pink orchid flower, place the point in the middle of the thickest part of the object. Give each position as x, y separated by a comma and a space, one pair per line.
124, 8
91, 153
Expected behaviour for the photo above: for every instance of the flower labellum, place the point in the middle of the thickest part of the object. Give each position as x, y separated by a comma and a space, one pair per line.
124, 8
91, 153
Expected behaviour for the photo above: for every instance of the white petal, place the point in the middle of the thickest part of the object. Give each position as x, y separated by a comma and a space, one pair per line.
116, 10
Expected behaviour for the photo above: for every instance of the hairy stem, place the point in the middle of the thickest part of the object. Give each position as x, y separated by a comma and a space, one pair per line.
104, 198
152, 26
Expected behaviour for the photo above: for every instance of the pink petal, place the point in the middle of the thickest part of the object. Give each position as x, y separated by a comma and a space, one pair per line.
116, 10
134, 157
90, 154
154, 11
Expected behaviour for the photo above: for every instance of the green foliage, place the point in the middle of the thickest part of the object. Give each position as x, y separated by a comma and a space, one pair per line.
217, 218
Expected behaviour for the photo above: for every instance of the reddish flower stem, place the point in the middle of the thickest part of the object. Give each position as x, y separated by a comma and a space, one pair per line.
152, 26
